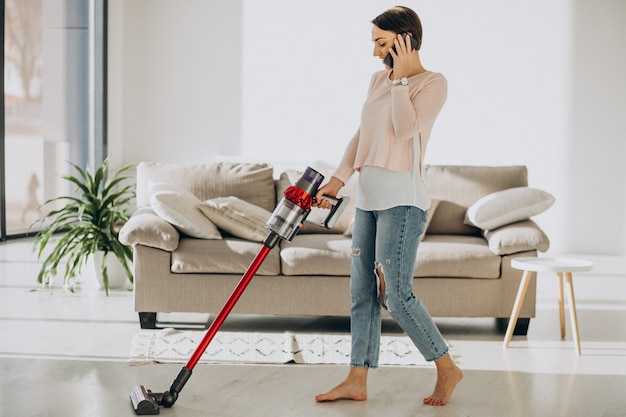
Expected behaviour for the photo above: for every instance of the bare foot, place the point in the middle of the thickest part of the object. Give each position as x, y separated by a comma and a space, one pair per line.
448, 376
353, 388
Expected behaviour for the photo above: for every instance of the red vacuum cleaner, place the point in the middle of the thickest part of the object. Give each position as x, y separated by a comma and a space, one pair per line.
284, 223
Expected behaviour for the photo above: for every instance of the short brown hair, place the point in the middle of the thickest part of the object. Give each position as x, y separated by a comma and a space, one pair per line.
401, 19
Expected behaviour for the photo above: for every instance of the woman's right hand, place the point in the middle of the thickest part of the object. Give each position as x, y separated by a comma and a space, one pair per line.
331, 188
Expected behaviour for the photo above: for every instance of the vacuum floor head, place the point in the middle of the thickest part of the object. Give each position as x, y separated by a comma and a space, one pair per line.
146, 402
143, 403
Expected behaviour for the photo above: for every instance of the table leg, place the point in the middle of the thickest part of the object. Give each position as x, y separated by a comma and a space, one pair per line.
561, 304
517, 306
572, 311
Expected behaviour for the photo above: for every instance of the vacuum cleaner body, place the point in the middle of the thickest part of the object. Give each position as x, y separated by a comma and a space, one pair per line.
284, 223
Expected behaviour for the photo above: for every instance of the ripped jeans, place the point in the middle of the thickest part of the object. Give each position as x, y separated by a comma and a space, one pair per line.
384, 250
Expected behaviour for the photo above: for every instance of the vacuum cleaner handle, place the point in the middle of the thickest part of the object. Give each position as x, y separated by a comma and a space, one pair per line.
338, 206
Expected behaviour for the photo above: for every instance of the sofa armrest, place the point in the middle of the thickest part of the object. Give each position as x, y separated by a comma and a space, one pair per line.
517, 237
146, 228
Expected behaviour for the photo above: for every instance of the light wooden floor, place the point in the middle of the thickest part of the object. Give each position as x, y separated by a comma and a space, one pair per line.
64, 355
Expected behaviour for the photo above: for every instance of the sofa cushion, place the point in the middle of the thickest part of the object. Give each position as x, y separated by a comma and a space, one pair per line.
237, 217
438, 256
226, 256
179, 207
507, 206
316, 254
458, 187
253, 183
146, 228
456, 256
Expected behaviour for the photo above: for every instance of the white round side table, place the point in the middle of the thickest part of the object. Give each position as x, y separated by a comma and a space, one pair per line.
562, 266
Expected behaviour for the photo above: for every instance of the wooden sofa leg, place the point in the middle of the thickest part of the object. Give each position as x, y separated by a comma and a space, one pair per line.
148, 320
521, 327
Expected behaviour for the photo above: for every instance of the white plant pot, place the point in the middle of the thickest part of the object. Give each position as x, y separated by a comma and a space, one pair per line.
115, 271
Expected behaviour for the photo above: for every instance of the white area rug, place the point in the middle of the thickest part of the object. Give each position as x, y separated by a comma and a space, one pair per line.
175, 346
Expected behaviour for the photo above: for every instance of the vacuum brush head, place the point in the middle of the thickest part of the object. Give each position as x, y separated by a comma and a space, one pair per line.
143, 403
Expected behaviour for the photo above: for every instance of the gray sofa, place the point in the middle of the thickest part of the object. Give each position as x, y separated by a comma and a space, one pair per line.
461, 271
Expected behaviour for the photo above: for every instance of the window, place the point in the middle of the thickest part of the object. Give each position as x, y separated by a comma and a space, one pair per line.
54, 102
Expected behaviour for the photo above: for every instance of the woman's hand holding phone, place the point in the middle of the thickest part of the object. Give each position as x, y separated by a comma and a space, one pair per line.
399, 55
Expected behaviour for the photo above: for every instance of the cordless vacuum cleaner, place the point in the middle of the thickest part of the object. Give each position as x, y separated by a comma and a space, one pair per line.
284, 223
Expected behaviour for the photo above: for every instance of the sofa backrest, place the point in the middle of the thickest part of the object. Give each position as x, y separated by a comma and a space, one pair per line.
251, 182
458, 187
454, 187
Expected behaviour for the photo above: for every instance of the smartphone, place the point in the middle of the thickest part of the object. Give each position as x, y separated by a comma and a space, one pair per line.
389, 59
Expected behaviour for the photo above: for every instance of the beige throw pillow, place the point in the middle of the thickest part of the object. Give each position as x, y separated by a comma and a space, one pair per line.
179, 207
237, 217
146, 228
508, 206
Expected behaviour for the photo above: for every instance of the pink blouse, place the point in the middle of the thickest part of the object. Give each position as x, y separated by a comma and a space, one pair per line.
391, 119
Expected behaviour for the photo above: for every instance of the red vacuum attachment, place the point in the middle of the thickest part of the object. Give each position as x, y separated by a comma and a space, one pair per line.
284, 223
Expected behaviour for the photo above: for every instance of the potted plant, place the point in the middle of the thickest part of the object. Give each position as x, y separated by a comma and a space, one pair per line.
90, 221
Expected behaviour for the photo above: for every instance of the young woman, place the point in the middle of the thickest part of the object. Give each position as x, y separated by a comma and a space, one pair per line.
402, 104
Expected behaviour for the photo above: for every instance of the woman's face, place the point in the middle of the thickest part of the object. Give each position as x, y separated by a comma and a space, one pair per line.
383, 40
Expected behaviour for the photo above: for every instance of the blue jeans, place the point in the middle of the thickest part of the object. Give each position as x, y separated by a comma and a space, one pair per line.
384, 248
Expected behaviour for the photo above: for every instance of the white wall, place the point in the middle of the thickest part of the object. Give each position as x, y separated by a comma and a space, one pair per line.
596, 169
174, 79
538, 83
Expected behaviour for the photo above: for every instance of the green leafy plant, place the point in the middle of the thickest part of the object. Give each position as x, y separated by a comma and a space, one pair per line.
90, 222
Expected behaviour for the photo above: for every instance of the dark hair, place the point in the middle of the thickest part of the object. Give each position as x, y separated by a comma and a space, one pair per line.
401, 19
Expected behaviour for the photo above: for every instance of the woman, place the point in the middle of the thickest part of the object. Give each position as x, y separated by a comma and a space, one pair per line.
388, 150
